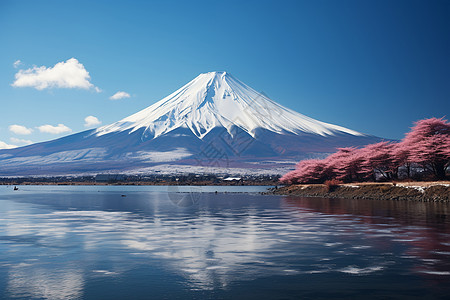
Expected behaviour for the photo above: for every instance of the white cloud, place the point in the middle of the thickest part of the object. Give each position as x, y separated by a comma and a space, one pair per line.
90, 121
68, 74
17, 63
120, 95
20, 141
4, 145
19, 129
61, 128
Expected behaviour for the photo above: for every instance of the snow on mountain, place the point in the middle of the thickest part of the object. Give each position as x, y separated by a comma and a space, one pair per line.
215, 123
217, 99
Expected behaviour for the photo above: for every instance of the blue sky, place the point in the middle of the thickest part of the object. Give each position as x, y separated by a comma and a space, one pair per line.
372, 66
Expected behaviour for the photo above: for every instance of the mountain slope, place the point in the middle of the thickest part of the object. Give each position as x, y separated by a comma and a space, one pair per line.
217, 99
215, 123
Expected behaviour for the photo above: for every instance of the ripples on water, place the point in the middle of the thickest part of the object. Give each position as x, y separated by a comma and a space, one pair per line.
160, 242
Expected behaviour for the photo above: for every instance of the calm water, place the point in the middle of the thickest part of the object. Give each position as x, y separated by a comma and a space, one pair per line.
188, 243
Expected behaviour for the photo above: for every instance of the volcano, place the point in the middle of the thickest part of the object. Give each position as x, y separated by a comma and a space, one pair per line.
214, 124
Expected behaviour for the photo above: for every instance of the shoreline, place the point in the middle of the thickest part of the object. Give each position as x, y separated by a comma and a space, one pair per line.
407, 191
144, 183
436, 191
119, 179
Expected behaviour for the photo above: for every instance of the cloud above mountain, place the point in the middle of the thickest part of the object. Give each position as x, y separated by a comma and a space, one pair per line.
119, 95
91, 121
20, 129
20, 141
66, 74
4, 145
60, 128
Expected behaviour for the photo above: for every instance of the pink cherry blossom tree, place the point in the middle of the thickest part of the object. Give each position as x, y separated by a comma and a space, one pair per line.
378, 158
351, 165
307, 171
428, 143
401, 158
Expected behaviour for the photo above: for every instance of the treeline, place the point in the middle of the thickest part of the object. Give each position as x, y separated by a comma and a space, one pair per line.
424, 153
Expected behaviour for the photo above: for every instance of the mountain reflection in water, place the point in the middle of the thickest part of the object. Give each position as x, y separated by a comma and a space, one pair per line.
87, 243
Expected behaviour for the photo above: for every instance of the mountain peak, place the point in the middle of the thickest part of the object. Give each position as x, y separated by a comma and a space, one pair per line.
217, 99
215, 73
212, 76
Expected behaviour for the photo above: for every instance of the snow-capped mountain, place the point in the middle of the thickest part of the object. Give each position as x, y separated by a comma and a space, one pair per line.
217, 99
214, 124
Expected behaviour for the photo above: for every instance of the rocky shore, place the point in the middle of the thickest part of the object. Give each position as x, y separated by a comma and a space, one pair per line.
415, 191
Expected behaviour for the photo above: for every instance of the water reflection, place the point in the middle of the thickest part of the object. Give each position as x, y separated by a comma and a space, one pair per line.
27, 280
422, 229
56, 245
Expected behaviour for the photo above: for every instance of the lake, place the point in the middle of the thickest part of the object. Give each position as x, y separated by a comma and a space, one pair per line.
157, 242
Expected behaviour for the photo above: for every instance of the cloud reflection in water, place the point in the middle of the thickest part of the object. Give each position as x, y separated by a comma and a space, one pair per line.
217, 242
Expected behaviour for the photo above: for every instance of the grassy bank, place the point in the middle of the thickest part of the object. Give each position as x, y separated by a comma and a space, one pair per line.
416, 191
